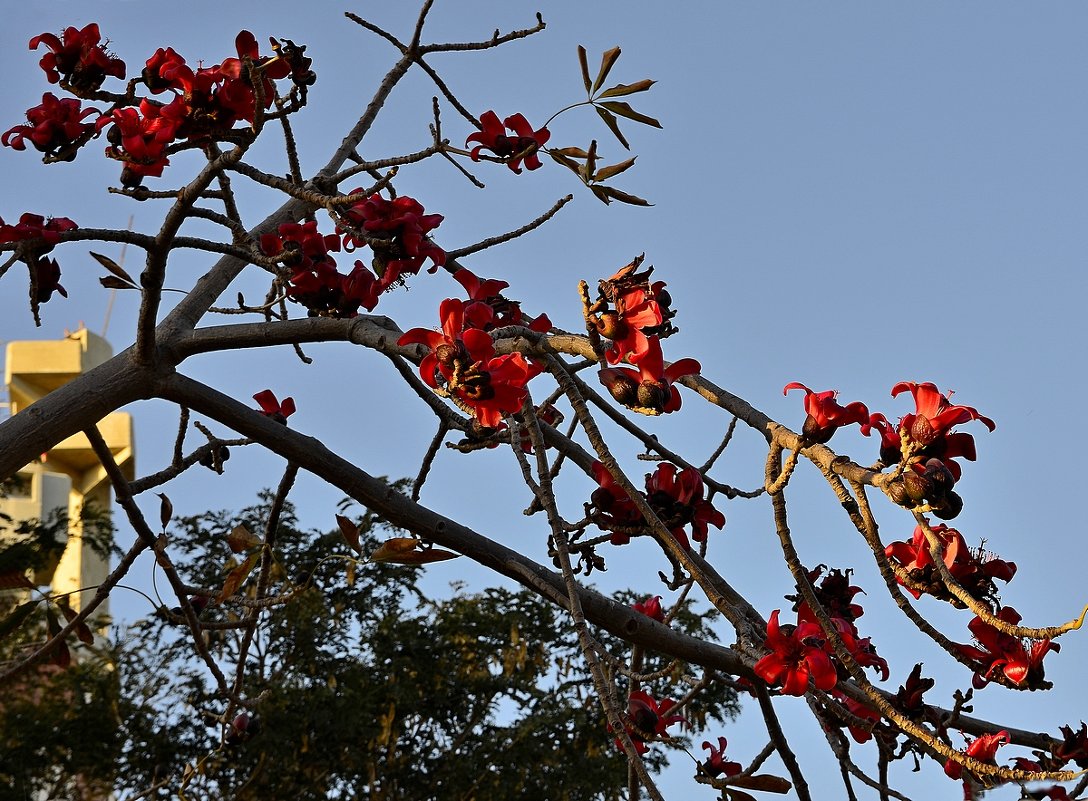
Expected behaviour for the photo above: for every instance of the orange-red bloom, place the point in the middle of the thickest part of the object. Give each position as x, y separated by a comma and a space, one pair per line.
797, 653
984, 749
78, 59
1021, 664
825, 415
270, 407
523, 146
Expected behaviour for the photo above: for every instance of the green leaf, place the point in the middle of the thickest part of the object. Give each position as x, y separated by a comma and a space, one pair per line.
621, 89
604, 173
584, 63
608, 59
623, 197
625, 110
613, 125
16, 618
113, 267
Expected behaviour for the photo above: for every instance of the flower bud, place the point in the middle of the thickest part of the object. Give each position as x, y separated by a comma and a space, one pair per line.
621, 386
917, 486
611, 326
949, 507
653, 395
921, 431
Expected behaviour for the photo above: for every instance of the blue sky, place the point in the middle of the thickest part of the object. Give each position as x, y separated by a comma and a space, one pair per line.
847, 194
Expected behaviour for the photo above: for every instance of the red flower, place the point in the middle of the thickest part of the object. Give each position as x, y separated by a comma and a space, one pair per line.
934, 415
46, 279
1022, 665
489, 309
716, 764
677, 498
397, 229
636, 312
54, 126
797, 652
984, 749
650, 390
615, 511
974, 571
145, 134
512, 149
649, 718
859, 710
825, 415
34, 226
79, 59
651, 607
1074, 746
270, 407
465, 359
909, 698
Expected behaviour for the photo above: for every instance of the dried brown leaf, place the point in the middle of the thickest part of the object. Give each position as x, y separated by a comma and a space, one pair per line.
623, 197
766, 783
242, 539
112, 282
608, 59
614, 126
406, 551
621, 89
624, 110
583, 62
113, 267
604, 173
570, 164
350, 532
237, 576
166, 510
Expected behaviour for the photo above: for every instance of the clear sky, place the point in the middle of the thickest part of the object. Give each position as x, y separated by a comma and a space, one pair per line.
847, 194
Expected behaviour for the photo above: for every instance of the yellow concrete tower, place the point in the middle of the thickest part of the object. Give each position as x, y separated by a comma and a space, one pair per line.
69, 475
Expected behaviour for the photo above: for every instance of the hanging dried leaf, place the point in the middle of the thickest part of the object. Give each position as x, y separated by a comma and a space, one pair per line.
110, 282
766, 783
583, 62
350, 532
570, 164
591, 162
237, 576
573, 152
113, 267
608, 59
16, 618
625, 110
166, 510
83, 631
242, 539
52, 622
604, 173
621, 89
614, 126
622, 197
62, 656
406, 551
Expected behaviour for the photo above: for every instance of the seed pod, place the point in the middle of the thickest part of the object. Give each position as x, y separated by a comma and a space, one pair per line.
653, 395
917, 486
950, 506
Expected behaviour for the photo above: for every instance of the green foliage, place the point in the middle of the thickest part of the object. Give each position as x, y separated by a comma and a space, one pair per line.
362, 687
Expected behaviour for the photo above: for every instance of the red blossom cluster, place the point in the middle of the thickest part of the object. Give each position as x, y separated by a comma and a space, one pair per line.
676, 496
42, 235
489, 309
205, 103
983, 748
974, 570
716, 764
396, 230
462, 362
56, 127
824, 416
77, 58
651, 607
649, 719
512, 150
273, 408
1008, 659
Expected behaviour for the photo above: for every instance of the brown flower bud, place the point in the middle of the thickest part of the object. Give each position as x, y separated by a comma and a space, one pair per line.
949, 507
653, 395
621, 386
611, 325
917, 486
921, 431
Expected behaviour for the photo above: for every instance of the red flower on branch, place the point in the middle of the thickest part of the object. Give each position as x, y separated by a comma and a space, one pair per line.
677, 498
397, 230
975, 571
270, 407
909, 697
797, 653
649, 719
984, 749
55, 127
649, 390
636, 312
465, 359
523, 146
1002, 654
488, 308
78, 59
35, 226
716, 764
825, 415
651, 607
934, 415
615, 511
144, 135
